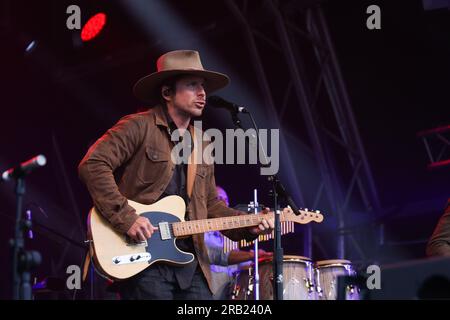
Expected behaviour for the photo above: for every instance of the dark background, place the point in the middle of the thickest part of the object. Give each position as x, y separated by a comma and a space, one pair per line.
60, 97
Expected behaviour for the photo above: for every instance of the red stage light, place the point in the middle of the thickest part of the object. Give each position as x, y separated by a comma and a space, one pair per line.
93, 27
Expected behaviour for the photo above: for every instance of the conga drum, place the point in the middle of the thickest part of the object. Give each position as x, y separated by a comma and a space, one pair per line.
326, 277
298, 280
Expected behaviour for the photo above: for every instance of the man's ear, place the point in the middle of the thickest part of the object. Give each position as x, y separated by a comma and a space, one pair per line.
165, 93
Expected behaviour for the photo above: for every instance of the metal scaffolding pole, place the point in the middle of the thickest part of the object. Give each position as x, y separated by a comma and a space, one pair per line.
340, 191
308, 114
266, 91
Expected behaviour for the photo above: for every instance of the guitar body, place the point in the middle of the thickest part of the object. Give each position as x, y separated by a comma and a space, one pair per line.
118, 257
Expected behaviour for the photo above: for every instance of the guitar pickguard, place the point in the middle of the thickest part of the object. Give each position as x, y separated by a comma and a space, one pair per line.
160, 246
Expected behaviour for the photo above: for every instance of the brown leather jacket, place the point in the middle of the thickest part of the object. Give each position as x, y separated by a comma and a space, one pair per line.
132, 160
439, 243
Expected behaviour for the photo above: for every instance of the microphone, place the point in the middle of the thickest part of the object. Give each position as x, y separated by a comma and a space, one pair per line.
24, 168
219, 102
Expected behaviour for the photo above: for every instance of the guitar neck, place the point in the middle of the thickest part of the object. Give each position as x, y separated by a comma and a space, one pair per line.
187, 228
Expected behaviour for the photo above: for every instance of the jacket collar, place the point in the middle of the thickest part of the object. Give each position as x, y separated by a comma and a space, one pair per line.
162, 120
160, 117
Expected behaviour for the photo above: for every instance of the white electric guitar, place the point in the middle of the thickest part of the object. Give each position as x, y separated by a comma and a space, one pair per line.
119, 257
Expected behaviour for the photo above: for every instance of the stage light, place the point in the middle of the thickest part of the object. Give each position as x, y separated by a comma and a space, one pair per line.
93, 27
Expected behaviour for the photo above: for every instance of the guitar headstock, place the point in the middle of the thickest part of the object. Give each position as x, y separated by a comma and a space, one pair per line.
305, 216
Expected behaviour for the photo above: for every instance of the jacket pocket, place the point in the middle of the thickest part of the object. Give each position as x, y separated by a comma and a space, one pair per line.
155, 165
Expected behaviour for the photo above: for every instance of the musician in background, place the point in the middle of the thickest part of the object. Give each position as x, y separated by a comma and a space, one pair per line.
439, 243
224, 265
133, 160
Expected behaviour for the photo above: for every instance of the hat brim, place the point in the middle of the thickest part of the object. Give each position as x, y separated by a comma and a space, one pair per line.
147, 88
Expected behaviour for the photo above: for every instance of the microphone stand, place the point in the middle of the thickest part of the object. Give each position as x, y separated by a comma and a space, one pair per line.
278, 190
22, 261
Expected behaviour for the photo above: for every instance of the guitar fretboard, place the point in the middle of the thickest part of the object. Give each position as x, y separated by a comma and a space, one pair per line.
187, 228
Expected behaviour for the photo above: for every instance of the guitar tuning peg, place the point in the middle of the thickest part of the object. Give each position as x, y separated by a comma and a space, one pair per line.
317, 211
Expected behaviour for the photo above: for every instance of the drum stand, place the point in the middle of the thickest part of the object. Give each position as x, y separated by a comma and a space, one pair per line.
255, 206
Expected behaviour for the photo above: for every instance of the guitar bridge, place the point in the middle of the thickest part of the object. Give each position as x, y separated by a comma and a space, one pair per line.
164, 230
133, 243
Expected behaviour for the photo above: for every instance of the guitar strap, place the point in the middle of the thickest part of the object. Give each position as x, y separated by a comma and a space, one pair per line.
192, 163
87, 260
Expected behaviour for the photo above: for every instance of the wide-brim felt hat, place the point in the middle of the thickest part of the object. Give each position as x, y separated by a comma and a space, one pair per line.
176, 63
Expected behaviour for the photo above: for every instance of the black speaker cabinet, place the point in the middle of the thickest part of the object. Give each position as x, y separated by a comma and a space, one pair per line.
416, 279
